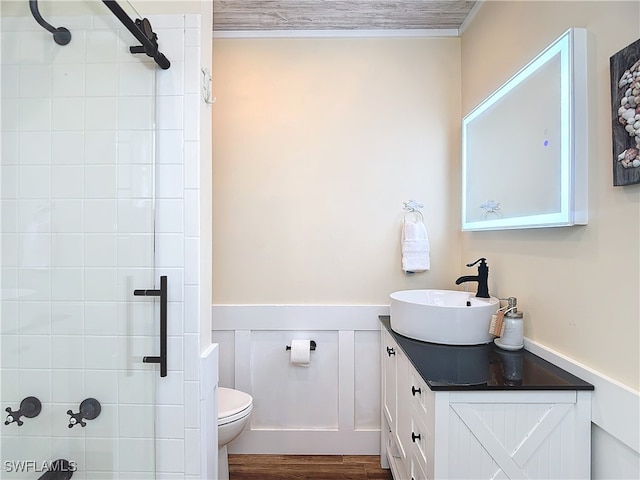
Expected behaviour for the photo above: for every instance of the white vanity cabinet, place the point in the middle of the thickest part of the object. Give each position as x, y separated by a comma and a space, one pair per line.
463, 431
407, 438
394, 365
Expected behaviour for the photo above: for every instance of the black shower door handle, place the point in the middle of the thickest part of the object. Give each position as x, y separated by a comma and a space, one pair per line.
162, 293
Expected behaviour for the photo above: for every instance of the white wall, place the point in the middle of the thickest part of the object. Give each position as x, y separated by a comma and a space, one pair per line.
595, 280
577, 286
205, 181
316, 145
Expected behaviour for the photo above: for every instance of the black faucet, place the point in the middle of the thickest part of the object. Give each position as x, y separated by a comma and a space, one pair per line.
482, 278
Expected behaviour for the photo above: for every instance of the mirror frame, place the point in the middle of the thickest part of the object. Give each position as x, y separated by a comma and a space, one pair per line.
572, 48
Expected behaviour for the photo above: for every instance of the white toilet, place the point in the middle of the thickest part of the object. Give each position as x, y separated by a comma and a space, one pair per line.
234, 410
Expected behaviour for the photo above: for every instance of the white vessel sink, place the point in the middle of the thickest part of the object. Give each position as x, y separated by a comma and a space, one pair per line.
447, 317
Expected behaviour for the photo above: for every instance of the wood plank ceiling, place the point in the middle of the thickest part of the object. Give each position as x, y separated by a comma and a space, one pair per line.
264, 15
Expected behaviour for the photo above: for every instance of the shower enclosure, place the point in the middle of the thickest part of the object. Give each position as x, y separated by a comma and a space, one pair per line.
81, 301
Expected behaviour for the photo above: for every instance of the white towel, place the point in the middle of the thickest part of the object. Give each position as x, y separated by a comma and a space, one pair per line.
415, 247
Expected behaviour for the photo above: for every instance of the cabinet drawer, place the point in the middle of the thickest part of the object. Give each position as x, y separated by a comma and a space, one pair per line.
392, 445
421, 440
420, 394
417, 472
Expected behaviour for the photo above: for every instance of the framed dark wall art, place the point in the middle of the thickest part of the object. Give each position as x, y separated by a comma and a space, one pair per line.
625, 114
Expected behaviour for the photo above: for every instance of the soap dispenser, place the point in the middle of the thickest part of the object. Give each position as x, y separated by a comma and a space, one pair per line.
512, 337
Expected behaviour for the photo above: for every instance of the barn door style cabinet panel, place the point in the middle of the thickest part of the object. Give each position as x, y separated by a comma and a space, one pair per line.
478, 412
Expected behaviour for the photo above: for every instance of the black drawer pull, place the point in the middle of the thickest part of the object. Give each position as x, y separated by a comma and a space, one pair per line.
415, 437
415, 390
390, 351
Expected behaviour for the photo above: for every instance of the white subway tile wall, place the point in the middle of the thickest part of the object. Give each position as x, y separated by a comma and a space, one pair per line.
91, 136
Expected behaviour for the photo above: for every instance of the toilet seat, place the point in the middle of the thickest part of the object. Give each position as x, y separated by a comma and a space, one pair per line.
233, 405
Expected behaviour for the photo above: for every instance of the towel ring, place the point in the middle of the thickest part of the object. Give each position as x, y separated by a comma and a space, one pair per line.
417, 212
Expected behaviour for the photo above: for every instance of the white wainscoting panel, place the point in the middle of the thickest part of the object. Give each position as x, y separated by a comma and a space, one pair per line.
293, 397
367, 380
330, 407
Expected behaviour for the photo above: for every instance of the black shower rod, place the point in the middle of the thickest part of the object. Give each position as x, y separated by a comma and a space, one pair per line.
141, 29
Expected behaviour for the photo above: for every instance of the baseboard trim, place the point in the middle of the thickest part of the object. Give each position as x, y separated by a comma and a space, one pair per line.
307, 442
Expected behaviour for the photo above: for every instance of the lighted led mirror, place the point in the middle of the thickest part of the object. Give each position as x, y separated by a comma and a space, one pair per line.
524, 148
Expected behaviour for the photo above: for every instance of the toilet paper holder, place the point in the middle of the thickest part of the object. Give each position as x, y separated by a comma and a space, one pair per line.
312, 345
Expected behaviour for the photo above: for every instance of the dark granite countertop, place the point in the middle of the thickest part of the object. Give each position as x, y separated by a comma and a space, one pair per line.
483, 367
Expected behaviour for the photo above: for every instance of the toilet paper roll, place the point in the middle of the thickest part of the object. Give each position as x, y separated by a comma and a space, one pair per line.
300, 352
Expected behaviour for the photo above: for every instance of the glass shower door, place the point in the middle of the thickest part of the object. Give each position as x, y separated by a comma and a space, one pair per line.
77, 238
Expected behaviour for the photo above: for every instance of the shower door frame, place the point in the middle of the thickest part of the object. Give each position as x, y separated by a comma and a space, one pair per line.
77, 332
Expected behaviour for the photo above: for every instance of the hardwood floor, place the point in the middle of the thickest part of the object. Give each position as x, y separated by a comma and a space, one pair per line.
308, 467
